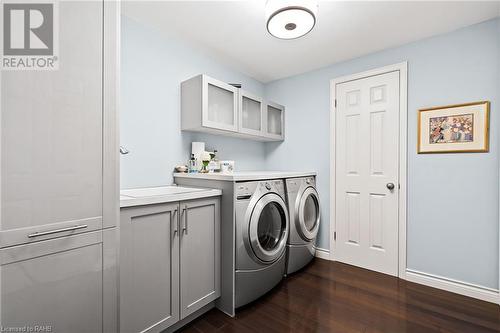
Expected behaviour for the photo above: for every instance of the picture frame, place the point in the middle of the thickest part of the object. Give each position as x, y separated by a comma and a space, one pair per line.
458, 128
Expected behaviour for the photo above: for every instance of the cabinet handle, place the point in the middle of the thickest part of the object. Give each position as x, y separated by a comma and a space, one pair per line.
185, 227
175, 225
179, 221
50, 232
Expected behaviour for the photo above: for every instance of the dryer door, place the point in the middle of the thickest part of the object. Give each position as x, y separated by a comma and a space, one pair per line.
308, 214
268, 228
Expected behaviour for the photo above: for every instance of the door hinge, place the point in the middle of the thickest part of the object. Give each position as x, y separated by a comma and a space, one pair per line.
334, 235
335, 102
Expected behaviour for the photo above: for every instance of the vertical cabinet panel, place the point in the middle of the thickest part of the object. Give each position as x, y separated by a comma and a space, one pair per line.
149, 268
111, 140
110, 280
51, 133
56, 283
199, 254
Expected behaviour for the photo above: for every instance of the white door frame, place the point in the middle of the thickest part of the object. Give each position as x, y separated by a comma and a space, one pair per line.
403, 129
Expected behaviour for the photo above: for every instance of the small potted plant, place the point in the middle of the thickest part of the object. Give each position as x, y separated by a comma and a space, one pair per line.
205, 159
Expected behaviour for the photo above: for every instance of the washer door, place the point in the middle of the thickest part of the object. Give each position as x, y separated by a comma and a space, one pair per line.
308, 214
268, 228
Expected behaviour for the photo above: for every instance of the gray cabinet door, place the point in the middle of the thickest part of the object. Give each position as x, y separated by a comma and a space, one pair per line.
149, 268
52, 134
56, 284
199, 254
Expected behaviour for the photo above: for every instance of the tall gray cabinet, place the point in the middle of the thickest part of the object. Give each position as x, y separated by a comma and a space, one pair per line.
59, 185
169, 263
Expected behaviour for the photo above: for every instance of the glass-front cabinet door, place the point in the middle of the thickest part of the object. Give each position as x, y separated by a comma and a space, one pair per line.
275, 121
220, 105
251, 119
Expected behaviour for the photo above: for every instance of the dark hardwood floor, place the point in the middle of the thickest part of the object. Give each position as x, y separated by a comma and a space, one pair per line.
333, 297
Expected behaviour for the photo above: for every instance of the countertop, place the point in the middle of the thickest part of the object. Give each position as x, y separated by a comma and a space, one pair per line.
163, 194
246, 175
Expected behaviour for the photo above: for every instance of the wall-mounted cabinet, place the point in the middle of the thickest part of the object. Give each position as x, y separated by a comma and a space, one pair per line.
212, 106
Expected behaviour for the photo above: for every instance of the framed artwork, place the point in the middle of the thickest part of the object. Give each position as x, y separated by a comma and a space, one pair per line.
461, 128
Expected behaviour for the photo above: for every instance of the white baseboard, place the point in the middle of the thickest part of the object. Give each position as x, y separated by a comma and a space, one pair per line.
454, 286
323, 253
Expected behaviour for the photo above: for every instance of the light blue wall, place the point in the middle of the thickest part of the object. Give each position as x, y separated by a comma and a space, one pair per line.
452, 198
153, 66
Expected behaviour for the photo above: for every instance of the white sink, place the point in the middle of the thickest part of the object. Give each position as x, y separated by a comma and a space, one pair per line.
157, 191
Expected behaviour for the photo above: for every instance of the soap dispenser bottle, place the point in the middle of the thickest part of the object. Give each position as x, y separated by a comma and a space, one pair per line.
192, 165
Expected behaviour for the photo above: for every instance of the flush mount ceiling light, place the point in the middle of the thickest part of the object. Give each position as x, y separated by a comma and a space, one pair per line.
289, 19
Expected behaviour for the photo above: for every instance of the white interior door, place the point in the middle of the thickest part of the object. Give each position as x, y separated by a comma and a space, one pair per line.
366, 168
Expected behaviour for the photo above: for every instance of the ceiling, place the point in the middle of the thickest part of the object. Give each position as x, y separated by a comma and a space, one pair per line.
234, 31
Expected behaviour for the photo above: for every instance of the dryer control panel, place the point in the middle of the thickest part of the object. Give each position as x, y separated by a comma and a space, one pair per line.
293, 184
311, 181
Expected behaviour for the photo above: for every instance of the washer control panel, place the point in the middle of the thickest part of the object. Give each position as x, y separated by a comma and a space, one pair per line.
245, 190
272, 185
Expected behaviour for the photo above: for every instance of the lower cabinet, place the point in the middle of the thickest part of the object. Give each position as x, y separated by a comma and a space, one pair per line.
169, 262
58, 285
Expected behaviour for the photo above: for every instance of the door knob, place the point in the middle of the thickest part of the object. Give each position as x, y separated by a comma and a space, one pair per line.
390, 186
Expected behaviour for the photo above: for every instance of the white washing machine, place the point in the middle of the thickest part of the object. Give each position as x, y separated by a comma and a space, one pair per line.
262, 228
304, 208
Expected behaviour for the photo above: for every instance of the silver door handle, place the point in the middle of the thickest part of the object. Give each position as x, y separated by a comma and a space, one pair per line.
124, 151
185, 227
172, 224
50, 232
390, 186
